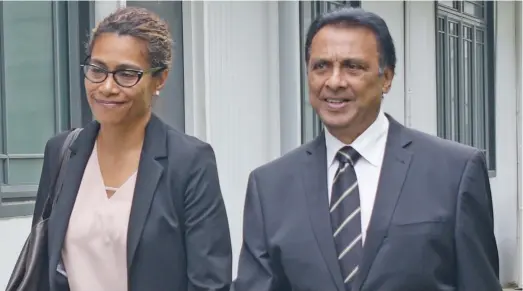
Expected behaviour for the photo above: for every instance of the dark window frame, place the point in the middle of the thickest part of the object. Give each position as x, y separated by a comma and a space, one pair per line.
18, 200
467, 119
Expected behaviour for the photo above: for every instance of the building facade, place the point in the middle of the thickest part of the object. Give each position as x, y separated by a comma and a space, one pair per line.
238, 82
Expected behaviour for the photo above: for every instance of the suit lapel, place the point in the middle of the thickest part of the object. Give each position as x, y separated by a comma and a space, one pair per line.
149, 173
315, 182
59, 220
396, 162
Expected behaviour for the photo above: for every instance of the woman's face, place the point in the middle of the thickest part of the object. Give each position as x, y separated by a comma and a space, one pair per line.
126, 94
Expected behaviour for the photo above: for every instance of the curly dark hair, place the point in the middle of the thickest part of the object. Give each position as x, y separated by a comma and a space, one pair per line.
143, 24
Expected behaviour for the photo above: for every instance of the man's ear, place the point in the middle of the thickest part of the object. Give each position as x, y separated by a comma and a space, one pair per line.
388, 75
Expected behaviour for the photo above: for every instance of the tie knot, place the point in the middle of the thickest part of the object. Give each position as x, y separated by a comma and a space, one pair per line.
348, 155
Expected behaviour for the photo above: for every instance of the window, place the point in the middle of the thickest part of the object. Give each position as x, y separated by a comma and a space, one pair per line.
465, 74
36, 80
309, 10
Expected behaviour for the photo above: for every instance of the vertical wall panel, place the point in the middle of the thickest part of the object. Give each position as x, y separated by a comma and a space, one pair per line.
236, 72
504, 185
519, 76
290, 83
232, 91
420, 70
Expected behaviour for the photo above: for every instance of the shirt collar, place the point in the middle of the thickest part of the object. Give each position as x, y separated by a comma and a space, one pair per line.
367, 143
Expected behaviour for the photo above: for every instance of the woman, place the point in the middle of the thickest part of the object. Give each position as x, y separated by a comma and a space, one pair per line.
141, 206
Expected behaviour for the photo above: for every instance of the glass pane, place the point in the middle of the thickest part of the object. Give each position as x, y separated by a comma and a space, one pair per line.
2, 116
479, 36
450, 4
29, 78
473, 9
441, 89
24, 171
441, 24
480, 138
453, 28
466, 98
331, 5
2, 171
479, 3
306, 17
453, 68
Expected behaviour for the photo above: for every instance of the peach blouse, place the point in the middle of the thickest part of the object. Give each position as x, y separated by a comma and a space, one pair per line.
95, 246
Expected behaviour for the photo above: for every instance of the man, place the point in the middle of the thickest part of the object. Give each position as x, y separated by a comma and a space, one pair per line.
369, 204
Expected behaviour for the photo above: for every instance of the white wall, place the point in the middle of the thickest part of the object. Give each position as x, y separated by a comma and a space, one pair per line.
232, 91
14, 232
504, 185
420, 52
519, 76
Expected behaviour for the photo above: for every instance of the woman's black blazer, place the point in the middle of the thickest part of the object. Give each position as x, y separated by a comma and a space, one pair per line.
178, 235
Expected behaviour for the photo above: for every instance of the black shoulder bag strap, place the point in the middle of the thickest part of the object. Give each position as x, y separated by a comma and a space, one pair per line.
59, 177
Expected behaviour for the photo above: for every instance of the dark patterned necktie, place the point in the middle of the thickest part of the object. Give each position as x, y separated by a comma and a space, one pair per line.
345, 215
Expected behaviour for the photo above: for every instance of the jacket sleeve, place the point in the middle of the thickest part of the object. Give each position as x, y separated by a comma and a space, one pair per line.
207, 234
476, 248
256, 270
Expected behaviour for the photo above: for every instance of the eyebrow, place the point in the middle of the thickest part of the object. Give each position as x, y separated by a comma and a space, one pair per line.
327, 59
123, 66
356, 61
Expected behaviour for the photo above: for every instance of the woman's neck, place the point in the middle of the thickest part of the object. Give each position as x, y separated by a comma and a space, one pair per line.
118, 139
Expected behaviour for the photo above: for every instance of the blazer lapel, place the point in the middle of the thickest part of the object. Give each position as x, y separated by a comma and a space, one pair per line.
315, 182
59, 220
396, 162
149, 173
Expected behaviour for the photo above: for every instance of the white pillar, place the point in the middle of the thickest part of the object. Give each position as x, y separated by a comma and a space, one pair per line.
420, 66
290, 75
519, 77
232, 91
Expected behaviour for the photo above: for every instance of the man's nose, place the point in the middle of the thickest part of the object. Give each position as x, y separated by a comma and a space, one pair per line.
336, 80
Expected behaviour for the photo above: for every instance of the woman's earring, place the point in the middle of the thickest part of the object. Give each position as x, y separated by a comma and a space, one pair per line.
157, 93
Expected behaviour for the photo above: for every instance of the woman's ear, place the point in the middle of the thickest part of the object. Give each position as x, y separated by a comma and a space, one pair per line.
160, 81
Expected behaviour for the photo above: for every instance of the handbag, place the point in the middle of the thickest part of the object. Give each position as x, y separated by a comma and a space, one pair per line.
31, 269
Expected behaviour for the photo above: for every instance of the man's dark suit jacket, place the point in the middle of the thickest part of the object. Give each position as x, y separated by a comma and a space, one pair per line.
431, 228
178, 234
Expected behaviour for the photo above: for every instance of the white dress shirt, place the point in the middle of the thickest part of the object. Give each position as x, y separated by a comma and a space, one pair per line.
371, 146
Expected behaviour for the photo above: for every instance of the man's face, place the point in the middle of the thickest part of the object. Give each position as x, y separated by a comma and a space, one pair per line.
345, 85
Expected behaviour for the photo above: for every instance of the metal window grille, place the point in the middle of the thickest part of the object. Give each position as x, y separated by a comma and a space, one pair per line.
465, 74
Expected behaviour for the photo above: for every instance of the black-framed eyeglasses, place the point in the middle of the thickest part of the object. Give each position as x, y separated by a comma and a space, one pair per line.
123, 77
